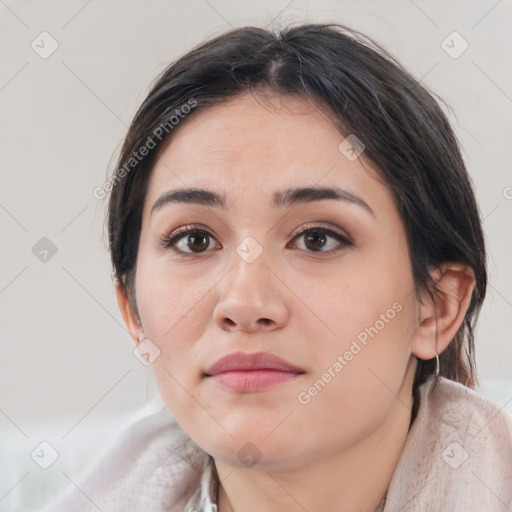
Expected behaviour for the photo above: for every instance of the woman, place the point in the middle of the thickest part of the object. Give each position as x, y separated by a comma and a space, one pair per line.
298, 254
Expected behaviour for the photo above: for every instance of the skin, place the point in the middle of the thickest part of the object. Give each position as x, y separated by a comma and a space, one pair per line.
338, 451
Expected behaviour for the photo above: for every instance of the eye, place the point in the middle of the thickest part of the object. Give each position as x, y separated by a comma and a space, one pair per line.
316, 239
187, 240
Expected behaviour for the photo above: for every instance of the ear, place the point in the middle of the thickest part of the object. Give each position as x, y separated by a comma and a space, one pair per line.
442, 312
130, 320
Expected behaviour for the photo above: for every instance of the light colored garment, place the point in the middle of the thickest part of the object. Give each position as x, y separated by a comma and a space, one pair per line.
457, 458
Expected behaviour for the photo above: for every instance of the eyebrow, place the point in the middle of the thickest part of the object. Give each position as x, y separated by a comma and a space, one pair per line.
285, 198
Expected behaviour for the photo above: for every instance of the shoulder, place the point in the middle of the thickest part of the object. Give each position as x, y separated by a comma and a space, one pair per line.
473, 415
457, 455
153, 466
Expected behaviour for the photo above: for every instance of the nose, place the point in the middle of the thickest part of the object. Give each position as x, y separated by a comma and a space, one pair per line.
251, 299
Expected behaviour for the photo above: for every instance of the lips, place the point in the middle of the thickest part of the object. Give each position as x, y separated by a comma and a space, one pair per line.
248, 373
240, 361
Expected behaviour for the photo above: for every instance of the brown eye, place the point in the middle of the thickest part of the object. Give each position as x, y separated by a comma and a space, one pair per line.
322, 240
197, 240
315, 240
187, 241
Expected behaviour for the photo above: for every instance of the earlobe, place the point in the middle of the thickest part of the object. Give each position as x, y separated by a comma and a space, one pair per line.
132, 323
442, 311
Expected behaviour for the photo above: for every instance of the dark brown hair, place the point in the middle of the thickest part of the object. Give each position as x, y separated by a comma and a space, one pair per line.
369, 94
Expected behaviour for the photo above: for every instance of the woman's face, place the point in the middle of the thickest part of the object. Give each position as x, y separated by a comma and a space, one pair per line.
323, 283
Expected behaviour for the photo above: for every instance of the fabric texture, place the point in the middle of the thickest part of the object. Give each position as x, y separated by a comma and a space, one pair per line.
457, 457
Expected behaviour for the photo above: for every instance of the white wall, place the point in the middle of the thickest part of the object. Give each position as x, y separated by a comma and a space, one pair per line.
66, 360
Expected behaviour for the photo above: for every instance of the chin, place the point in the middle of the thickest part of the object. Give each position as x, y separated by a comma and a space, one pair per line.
253, 454
249, 448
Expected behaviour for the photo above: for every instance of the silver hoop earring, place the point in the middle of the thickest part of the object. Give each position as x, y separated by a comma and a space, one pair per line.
437, 365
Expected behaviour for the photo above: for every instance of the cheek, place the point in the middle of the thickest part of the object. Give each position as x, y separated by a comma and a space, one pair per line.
173, 311
174, 314
361, 295
360, 372
370, 311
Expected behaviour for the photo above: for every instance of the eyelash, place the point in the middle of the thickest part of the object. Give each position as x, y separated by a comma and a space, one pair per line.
168, 241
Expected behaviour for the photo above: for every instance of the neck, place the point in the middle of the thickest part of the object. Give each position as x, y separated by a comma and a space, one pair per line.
354, 479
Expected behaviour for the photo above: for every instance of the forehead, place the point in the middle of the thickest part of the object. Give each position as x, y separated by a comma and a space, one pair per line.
251, 145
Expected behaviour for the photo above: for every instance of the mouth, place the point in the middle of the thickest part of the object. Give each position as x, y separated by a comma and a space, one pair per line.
250, 372
253, 380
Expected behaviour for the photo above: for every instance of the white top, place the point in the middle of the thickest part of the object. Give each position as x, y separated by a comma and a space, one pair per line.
457, 457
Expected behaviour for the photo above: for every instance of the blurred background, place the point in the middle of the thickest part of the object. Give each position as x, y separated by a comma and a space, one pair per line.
72, 74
